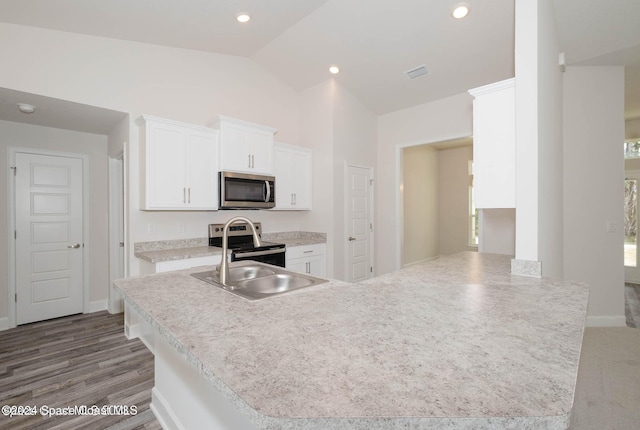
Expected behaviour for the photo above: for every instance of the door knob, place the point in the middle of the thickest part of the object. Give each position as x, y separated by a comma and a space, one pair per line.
351, 238
74, 246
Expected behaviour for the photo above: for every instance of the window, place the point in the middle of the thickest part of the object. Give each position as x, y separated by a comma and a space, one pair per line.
630, 222
632, 149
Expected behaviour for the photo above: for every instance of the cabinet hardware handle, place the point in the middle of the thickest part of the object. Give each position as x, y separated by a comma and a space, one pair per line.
249, 166
308, 252
184, 195
291, 199
74, 246
253, 161
351, 238
295, 199
189, 195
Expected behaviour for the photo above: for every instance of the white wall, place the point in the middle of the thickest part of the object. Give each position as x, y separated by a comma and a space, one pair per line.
51, 139
420, 204
526, 73
354, 142
341, 130
442, 120
317, 133
538, 137
453, 199
497, 231
550, 198
632, 129
593, 185
137, 78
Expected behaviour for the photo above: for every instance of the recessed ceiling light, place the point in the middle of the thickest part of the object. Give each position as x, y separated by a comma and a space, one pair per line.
243, 17
26, 108
460, 10
334, 69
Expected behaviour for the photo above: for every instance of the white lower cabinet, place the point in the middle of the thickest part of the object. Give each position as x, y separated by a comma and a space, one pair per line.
147, 268
308, 259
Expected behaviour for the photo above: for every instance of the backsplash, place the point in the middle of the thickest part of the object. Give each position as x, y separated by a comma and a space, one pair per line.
161, 245
295, 235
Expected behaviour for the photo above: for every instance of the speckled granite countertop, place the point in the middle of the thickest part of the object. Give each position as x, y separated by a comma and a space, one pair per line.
296, 238
455, 343
169, 250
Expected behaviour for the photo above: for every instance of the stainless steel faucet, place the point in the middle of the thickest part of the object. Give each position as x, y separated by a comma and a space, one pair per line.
223, 269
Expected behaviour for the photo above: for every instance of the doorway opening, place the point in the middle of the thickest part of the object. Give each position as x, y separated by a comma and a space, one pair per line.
438, 217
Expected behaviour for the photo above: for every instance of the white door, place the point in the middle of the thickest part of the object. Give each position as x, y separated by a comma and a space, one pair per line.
49, 241
359, 227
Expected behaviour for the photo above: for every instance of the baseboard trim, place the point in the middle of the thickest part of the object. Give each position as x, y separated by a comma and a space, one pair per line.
97, 306
4, 323
162, 411
611, 321
421, 261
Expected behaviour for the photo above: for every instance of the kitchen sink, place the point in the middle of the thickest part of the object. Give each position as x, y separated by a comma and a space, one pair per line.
253, 280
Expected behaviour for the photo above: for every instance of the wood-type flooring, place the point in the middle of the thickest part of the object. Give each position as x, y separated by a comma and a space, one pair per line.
81, 360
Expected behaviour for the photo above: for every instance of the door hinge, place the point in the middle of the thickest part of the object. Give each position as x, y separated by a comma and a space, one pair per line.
15, 234
15, 169
16, 297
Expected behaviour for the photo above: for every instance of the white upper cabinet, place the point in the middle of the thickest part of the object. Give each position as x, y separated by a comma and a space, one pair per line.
494, 145
180, 166
244, 146
292, 168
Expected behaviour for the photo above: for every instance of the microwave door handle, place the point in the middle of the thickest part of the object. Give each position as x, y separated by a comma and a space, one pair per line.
268, 188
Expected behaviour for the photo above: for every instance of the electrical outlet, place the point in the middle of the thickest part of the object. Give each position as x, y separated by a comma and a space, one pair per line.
180, 227
612, 226
151, 228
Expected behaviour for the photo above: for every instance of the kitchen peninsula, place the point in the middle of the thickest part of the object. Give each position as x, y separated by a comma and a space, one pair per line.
455, 343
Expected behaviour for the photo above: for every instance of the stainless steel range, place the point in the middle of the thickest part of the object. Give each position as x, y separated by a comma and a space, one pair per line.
240, 242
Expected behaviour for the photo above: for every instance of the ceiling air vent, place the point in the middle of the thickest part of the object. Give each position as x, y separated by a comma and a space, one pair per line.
417, 72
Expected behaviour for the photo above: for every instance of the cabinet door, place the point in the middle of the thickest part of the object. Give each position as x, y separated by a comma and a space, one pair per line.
245, 146
301, 179
292, 167
282, 171
165, 164
314, 266
298, 265
234, 151
317, 266
260, 149
202, 169
494, 149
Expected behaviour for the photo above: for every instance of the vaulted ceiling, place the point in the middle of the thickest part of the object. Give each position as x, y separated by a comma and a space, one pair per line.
374, 41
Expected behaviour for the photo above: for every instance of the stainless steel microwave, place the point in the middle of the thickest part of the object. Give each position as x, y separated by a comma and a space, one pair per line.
247, 191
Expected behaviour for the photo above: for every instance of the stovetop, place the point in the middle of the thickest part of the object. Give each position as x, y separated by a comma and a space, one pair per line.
248, 246
239, 237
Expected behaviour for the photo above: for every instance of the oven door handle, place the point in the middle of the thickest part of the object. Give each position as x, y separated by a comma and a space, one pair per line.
259, 253
268, 189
